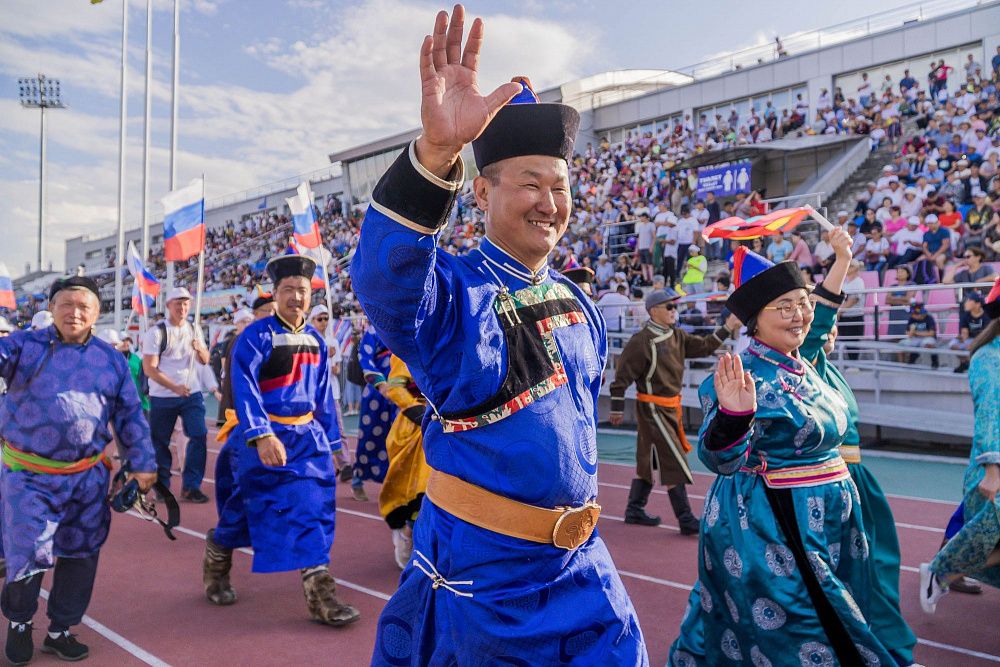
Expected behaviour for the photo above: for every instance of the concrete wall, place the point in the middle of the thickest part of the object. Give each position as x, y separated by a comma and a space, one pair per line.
816, 68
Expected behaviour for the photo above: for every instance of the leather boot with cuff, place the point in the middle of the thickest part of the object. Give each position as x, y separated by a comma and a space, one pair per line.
682, 510
635, 511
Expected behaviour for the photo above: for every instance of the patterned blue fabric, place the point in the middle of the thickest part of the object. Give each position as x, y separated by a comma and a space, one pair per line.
755, 607
61, 400
880, 525
471, 596
286, 513
377, 412
967, 551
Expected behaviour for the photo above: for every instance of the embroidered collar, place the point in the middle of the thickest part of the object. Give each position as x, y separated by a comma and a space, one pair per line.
294, 329
792, 364
508, 270
656, 328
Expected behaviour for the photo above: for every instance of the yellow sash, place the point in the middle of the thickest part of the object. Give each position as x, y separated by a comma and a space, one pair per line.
232, 422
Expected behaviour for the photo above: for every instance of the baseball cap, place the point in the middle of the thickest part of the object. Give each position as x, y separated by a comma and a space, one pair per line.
110, 336
242, 315
318, 310
930, 218
178, 293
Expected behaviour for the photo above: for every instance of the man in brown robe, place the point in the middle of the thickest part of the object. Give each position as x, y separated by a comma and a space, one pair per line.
653, 359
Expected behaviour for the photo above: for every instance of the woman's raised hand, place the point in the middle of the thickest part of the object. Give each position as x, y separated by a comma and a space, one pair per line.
734, 387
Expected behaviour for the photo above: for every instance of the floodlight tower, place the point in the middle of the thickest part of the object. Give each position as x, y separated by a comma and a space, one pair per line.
40, 93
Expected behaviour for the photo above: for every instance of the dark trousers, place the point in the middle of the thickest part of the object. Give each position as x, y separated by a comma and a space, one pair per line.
910, 255
851, 325
669, 270
72, 584
163, 414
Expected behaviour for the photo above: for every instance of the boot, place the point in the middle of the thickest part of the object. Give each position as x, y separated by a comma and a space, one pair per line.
215, 572
321, 598
682, 510
635, 511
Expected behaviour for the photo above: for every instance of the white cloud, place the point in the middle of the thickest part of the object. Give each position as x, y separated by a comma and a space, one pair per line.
356, 82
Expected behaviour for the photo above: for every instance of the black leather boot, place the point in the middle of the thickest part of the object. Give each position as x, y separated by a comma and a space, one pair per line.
682, 510
635, 511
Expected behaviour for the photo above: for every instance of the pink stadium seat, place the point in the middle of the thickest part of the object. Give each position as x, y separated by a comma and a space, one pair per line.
870, 278
890, 279
943, 305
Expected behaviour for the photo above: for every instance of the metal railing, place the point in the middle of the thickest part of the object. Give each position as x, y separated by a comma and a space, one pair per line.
796, 44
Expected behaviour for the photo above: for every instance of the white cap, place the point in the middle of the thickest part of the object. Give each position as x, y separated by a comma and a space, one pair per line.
887, 168
913, 220
318, 310
910, 191
930, 218
42, 319
110, 336
841, 214
242, 315
178, 293
5, 325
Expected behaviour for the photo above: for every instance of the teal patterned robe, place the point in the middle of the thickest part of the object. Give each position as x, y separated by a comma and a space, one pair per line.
754, 606
880, 525
967, 551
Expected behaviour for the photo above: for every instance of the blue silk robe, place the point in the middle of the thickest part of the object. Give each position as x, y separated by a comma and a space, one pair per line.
285, 513
967, 551
755, 609
510, 363
61, 400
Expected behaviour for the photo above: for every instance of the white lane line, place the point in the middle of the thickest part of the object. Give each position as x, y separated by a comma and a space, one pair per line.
655, 580
117, 639
899, 524
959, 649
246, 550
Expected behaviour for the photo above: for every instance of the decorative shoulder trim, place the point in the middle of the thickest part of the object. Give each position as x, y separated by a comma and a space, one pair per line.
828, 298
409, 194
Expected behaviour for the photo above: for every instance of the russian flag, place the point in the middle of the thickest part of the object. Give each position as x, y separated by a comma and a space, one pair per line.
146, 281
318, 280
7, 299
304, 225
141, 303
184, 222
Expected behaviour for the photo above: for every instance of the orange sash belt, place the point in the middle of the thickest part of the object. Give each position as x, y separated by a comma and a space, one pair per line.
669, 402
232, 422
16, 460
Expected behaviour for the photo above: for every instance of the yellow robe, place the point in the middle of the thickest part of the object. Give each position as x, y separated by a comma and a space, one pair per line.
406, 479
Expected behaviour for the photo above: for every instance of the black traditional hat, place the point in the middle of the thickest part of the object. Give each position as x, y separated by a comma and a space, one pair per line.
525, 127
290, 265
262, 300
81, 282
759, 281
581, 276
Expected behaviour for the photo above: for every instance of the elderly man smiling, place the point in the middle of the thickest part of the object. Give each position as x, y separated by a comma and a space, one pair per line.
66, 388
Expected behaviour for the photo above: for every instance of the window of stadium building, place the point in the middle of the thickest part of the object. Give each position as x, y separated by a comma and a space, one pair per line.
657, 126
364, 173
919, 67
782, 99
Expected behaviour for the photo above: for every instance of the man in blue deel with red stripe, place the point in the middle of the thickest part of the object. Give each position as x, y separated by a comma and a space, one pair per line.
275, 476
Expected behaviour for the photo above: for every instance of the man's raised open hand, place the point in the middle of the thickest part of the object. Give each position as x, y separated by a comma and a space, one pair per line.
453, 111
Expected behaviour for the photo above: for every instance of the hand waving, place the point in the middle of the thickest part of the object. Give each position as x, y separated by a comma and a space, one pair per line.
841, 242
453, 111
734, 387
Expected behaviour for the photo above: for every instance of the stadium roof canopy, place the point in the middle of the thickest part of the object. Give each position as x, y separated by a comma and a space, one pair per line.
770, 149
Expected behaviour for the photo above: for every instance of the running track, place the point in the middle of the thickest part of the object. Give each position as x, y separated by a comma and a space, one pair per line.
149, 607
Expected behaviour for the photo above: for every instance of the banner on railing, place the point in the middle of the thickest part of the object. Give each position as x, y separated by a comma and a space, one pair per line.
222, 299
724, 181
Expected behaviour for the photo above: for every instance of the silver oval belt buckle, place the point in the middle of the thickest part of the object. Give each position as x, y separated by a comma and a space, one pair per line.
575, 526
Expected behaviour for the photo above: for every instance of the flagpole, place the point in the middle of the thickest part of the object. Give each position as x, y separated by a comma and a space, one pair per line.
200, 286
122, 134
148, 130
823, 222
174, 102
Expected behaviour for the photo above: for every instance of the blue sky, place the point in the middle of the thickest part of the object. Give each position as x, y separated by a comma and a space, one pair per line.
268, 88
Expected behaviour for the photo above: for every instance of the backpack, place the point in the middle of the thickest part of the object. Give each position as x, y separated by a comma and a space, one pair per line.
355, 374
925, 272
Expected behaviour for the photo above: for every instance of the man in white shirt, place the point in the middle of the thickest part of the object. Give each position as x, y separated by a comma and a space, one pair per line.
823, 252
167, 351
687, 228
604, 272
614, 306
666, 237
645, 232
908, 243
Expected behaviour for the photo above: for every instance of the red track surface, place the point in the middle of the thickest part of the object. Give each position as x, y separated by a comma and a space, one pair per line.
149, 593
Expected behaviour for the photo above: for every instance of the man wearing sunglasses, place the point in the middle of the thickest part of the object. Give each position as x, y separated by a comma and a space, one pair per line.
653, 359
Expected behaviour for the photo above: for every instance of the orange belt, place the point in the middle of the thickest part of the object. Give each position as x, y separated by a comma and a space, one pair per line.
563, 527
669, 402
16, 460
232, 422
